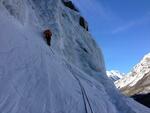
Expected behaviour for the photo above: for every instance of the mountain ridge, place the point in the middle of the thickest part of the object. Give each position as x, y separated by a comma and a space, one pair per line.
115, 75
137, 81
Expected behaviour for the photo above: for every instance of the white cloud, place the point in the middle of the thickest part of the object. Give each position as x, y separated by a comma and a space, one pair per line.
93, 8
143, 20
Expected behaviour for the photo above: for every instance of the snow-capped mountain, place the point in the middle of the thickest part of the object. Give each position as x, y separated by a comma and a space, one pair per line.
137, 81
68, 77
114, 75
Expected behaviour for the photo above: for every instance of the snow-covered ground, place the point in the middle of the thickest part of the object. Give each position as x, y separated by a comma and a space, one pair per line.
63, 78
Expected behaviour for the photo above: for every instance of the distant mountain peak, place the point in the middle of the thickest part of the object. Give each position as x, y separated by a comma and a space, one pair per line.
115, 75
138, 80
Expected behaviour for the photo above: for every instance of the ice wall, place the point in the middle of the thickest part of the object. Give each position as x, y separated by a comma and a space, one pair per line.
68, 77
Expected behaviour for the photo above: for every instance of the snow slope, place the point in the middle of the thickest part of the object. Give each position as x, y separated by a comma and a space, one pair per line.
114, 75
62, 79
137, 81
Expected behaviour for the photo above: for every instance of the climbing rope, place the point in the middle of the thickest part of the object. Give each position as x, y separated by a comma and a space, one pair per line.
85, 97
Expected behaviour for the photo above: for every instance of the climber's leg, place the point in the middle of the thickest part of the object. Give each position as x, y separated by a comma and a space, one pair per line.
48, 41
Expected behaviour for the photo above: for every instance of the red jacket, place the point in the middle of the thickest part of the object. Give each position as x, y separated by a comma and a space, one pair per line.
47, 34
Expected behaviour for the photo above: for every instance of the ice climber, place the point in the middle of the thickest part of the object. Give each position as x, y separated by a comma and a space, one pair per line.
47, 36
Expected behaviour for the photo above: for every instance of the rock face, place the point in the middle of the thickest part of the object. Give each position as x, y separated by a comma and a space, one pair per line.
137, 81
143, 99
70, 5
114, 75
83, 23
68, 77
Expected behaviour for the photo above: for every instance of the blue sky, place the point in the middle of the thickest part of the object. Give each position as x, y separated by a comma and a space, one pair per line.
121, 28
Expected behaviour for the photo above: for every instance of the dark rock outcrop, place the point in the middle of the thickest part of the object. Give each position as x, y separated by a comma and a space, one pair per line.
143, 99
70, 5
83, 23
